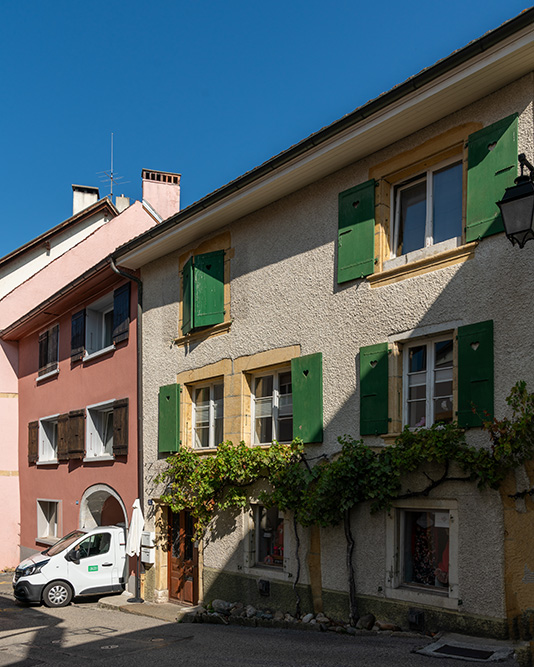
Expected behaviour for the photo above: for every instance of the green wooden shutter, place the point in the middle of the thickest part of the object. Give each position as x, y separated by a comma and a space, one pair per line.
374, 389
208, 299
307, 389
491, 168
475, 373
356, 232
187, 297
169, 418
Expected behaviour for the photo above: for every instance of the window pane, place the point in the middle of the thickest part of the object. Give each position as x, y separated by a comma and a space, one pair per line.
108, 436
426, 548
202, 417
417, 414
443, 410
218, 432
263, 407
443, 381
108, 329
417, 393
285, 430
417, 359
202, 436
285, 405
412, 218
264, 386
285, 383
218, 411
263, 430
270, 537
447, 203
443, 354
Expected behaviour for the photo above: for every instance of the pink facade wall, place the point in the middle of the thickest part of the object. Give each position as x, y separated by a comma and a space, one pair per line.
60, 272
77, 385
63, 270
9, 480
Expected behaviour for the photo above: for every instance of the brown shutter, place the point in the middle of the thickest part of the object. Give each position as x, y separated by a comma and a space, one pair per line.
63, 437
33, 442
76, 434
121, 313
77, 336
120, 427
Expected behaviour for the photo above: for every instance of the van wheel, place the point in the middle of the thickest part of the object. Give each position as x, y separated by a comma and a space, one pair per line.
57, 594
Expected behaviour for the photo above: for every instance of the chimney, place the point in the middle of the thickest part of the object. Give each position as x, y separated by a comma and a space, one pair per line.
161, 190
83, 196
121, 203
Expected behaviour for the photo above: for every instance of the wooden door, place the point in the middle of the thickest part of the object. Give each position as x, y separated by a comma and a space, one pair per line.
183, 559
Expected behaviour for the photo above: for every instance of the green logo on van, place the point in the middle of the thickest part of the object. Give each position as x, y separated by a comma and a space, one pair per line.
92, 568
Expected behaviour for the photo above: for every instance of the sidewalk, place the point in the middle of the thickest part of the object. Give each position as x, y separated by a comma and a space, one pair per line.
167, 611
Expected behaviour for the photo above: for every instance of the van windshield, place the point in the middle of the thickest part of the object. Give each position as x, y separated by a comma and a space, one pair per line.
64, 542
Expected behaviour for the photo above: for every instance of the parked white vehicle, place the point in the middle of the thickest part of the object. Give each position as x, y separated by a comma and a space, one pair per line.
81, 563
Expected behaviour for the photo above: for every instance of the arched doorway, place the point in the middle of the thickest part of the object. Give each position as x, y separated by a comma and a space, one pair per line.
102, 506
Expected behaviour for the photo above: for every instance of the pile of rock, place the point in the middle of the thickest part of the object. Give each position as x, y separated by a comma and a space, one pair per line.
237, 613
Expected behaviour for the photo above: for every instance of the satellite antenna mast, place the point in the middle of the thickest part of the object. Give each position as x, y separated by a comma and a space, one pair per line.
111, 171
110, 175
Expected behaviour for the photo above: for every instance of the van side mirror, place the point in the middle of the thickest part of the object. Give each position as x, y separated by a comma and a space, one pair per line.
71, 555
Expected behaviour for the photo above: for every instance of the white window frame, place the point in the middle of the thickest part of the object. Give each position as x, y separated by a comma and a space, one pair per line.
47, 444
395, 587
44, 520
275, 402
211, 418
396, 191
430, 344
95, 327
95, 446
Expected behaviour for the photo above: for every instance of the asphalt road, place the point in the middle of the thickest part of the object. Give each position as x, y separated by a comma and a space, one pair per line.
83, 634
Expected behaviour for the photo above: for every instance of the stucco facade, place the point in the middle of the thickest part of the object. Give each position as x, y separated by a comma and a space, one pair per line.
33, 277
282, 301
72, 481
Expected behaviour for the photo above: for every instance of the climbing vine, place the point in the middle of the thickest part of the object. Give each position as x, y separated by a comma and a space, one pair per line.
324, 494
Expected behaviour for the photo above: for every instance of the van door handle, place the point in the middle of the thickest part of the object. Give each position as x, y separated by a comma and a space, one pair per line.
107, 564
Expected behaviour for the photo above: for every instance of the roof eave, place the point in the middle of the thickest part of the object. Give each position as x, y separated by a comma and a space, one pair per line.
478, 69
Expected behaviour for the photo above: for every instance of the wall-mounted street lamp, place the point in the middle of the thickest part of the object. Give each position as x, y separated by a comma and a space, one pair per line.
517, 206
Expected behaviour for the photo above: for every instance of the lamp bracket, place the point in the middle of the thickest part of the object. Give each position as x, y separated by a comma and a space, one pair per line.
525, 163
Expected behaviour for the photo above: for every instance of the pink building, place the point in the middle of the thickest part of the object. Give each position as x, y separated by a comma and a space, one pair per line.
56, 291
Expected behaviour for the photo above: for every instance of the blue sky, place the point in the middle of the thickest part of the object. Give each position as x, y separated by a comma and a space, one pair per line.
207, 89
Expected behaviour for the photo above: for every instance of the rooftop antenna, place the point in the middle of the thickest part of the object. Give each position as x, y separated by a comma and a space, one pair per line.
110, 175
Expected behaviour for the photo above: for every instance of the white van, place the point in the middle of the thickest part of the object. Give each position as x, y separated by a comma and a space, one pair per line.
81, 563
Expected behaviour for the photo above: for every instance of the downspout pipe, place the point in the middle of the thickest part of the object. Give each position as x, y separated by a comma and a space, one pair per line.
140, 461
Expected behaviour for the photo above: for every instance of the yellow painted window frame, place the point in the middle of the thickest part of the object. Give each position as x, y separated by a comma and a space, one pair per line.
236, 376
396, 379
220, 242
449, 145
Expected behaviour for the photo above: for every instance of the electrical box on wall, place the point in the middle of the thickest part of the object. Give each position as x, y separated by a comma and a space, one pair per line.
148, 556
147, 539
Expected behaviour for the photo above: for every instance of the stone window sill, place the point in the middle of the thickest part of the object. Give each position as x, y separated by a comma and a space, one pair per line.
203, 334
429, 261
50, 374
98, 353
96, 459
